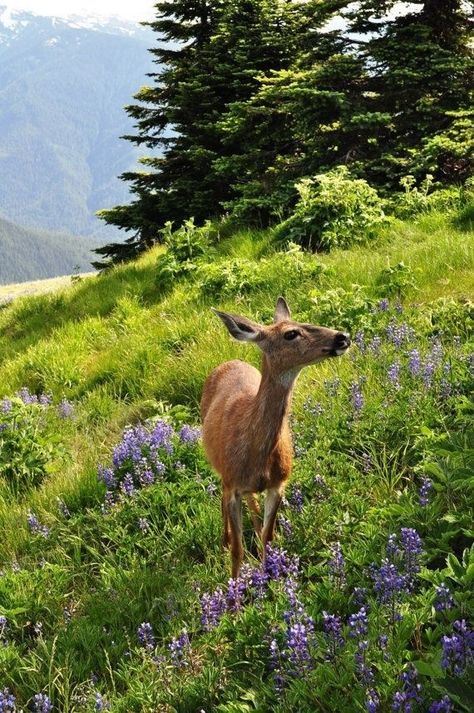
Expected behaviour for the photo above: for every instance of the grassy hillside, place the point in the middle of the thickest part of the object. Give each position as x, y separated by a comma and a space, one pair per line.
28, 254
115, 588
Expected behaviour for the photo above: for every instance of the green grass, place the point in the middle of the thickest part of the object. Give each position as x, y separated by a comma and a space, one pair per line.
123, 349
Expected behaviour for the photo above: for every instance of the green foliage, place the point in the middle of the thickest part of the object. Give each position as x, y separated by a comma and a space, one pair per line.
186, 247
333, 210
396, 281
29, 451
423, 199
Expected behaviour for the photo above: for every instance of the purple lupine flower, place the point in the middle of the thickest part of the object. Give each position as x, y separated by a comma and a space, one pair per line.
45, 399
100, 703
414, 362
297, 650
35, 527
392, 549
213, 607
143, 524
286, 526
189, 435
322, 488
295, 498
375, 344
63, 508
364, 672
412, 549
367, 464
146, 636
393, 374
411, 692
332, 628
27, 397
359, 339
428, 371
146, 477
360, 597
7, 701
389, 584
276, 666
130, 447
3, 626
425, 490
383, 305
437, 352
42, 703
373, 701
235, 593
358, 624
443, 706
6, 406
458, 649
356, 396
107, 476
127, 486
180, 649
336, 565
161, 436
65, 409
443, 598
278, 564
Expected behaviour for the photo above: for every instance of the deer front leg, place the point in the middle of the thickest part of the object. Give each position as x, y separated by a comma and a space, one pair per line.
272, 503
254, 507
225, 518
235, 522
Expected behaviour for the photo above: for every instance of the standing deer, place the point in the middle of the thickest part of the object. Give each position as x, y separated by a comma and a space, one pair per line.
246, 433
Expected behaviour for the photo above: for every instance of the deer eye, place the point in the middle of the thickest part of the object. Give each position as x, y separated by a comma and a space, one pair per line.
291, 334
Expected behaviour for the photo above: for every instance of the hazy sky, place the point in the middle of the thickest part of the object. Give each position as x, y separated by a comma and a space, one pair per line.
131, 9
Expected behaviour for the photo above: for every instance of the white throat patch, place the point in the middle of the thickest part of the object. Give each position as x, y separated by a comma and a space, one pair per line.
288, 378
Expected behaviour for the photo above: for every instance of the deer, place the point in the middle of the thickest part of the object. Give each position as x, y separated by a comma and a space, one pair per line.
245, 417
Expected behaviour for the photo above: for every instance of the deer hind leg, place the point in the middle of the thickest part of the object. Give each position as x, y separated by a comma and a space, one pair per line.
225, 518
254, 507
272, 503
235, 523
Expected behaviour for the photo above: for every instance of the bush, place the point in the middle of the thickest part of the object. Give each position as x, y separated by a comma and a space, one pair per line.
422, 199
185, 248
334, 210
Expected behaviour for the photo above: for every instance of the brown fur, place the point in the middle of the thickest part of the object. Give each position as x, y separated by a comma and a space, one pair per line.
246, 433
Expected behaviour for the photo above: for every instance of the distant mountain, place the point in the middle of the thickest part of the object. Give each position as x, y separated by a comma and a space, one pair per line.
63, 86
27, 254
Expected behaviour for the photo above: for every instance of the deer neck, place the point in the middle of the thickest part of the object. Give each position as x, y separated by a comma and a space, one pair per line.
272, 407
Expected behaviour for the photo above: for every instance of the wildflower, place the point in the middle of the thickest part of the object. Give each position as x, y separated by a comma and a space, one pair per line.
393, 374
442, 706
364, 672
336, 565
372, 702
392, 549
189, 435
146, 636
63, 508
42, 703
143, 524
45, 399
286, 526
412, 549
127, 486
213, 607
278, 564
332, 628
458, 649
6, 406
180, 648
65, 409
425, 490
27, 397
389, 584
295, 498
428, 371
276, 666
360, 597
414, 362
35, 527
235, 593
332, 386
358, 624
375, 344
7, 701
360, 340
3, 626
100, 704
297, 646
356, 396
443, 598
411, 692
367, 463
322, 488
107, 476
383, 305
437, 352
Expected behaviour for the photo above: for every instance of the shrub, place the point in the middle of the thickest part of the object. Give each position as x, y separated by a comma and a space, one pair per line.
185, 248
334, 210
422, 199
342, 309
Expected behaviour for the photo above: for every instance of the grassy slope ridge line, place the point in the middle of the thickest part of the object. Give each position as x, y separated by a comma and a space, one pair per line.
81, 578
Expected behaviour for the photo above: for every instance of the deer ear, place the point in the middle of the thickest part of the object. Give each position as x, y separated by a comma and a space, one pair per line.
240, 328
282, 311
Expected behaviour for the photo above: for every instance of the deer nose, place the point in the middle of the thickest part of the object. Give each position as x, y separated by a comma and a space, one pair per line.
342, 341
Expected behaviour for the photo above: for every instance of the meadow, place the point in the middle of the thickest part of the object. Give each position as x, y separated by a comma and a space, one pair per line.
114, 588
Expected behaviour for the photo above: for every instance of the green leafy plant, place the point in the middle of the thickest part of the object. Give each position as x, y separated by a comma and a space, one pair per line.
334, 210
